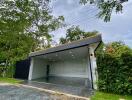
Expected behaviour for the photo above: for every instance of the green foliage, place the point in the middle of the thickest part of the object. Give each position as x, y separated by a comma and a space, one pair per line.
117, 48
22, 25
107, 96
75, 33
106, 7
115, 69
13, 47
29, 17
10, 80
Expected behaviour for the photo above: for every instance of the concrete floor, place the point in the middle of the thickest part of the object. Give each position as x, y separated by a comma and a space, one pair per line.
75, 86
12, 92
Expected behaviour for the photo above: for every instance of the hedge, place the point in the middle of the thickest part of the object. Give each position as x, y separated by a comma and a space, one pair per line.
115, 74
6, 71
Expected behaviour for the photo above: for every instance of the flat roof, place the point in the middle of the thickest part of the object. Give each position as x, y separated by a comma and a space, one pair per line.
74, 44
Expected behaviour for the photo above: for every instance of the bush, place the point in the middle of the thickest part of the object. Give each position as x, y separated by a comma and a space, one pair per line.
6, 71
115, 73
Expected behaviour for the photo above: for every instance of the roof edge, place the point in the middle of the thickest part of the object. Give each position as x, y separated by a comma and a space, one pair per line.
74, 44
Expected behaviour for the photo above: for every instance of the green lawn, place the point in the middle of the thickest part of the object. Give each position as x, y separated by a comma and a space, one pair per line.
9, 80
108, 96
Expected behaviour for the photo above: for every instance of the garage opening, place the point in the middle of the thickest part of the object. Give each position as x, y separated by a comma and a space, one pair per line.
67, 69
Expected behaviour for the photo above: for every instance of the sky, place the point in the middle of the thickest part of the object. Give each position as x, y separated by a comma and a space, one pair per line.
118, 29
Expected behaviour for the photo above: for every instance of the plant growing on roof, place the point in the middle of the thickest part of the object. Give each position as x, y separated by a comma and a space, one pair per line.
75, 33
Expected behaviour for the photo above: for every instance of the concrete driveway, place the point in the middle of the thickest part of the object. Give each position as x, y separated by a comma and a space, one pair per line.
18, 92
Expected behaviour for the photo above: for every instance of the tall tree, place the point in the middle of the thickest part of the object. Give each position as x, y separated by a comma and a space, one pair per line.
75, 33
29, 17
13, 47
22, 25
106, 7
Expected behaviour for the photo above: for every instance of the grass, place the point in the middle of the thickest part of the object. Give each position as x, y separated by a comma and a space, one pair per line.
108, 96
10, 80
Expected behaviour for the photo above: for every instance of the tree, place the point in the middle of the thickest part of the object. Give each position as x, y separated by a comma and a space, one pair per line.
22, 24
117, 48
13, 47
106, 7
75, 33
29, 17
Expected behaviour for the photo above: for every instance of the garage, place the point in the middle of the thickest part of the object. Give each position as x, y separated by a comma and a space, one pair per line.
72, 64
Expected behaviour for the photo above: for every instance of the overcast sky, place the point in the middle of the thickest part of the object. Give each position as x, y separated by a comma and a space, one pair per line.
120, 27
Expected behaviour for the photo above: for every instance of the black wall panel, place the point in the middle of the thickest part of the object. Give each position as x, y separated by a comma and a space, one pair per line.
22, 69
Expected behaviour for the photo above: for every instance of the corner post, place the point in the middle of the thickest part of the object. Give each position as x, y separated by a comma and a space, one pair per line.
93, 65
31, 69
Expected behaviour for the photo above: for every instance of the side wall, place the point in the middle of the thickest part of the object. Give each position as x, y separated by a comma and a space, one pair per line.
22, 69
37, 68
70, 68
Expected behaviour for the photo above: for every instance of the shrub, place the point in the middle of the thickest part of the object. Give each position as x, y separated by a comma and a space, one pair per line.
115, 73
6, 71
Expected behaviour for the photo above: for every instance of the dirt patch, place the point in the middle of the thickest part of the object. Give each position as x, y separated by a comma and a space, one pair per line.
4, 84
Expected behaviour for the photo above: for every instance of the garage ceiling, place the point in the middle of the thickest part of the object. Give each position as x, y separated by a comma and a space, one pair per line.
75, 53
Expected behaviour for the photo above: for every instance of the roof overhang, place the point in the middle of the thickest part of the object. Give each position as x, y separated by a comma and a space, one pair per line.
72, 45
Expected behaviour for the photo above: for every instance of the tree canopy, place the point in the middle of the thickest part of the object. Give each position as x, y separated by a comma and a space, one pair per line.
106, 7
117, 48
23, 24
75, 33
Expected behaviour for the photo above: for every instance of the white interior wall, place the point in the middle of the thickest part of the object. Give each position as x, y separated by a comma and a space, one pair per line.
70, 68
39, 68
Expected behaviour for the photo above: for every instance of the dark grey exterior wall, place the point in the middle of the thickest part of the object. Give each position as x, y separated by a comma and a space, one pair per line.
22, 69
